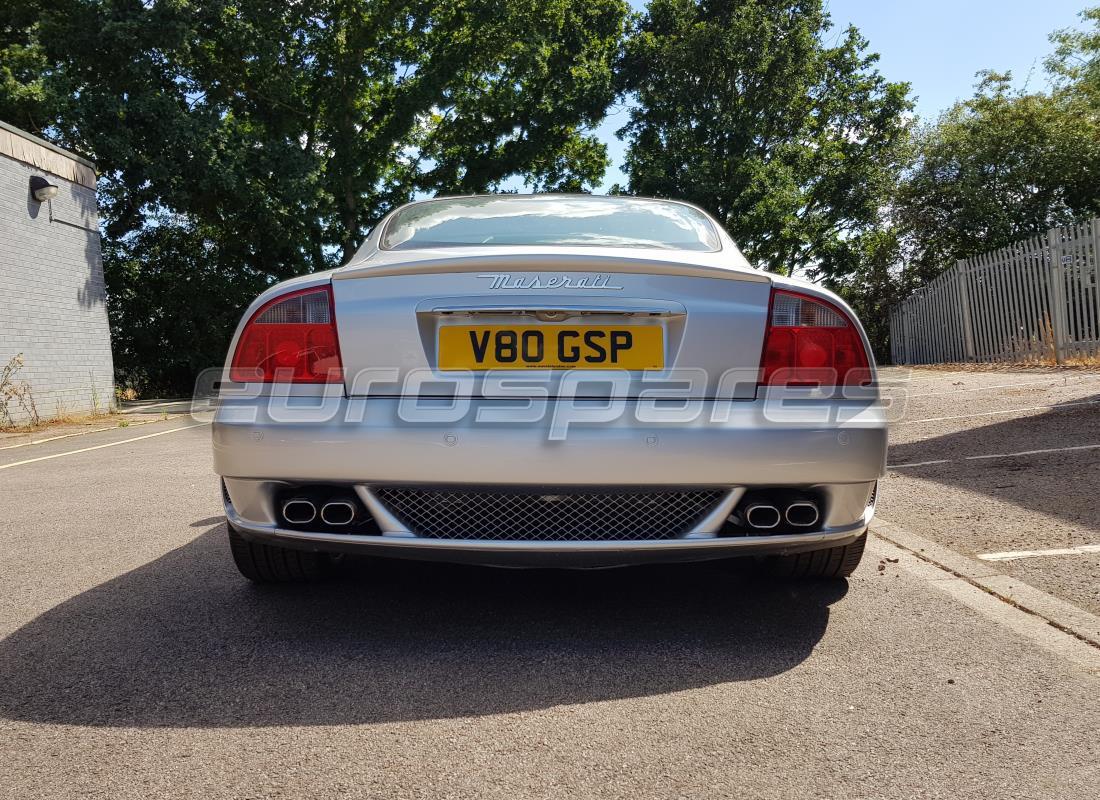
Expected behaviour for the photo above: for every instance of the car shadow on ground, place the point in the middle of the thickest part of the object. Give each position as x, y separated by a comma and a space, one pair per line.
1051, 478
184, 641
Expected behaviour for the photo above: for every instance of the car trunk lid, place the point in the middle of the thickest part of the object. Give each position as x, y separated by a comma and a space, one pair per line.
433, 322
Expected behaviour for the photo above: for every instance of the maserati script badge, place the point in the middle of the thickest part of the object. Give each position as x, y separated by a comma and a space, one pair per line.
504, 280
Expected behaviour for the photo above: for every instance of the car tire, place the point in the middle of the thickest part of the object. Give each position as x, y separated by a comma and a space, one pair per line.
265, 563
834, 562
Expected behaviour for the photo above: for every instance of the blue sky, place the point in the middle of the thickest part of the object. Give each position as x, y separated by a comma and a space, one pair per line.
935, 45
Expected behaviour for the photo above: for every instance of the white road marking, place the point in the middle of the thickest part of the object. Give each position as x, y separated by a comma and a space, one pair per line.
1012, 555
997, 413
1047, 451
922, 463
1047, 382
100, 446
55, 438
141, 407
1053, 624
1037, 452
129, 423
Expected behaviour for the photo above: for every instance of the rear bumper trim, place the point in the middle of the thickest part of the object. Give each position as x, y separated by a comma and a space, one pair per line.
401, 544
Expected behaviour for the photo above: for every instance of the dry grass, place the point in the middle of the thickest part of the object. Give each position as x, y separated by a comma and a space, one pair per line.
1077, 364
85, 420
1086, 362
17, 392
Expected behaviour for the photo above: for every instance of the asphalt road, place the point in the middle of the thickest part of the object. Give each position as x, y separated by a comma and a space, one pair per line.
1004, 461
134, 662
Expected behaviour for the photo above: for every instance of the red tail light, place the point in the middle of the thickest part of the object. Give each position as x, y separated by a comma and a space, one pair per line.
291, 339
810, 341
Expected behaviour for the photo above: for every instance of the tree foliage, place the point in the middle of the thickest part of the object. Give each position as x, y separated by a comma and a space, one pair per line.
248, 141
745, 108
1001, 166
1075, 62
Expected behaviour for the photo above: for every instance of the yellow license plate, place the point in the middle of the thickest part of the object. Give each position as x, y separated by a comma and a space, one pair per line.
479, 347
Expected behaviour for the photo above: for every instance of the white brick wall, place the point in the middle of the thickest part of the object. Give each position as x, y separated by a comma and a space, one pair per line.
52, 301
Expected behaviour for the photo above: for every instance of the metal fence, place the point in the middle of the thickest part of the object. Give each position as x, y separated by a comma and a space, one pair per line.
1035, 300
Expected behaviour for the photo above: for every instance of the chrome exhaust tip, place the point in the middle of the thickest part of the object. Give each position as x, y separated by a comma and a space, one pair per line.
802, 514
299, 511
337, 513
762, 516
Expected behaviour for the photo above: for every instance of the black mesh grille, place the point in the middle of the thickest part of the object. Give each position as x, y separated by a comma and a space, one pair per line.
549, 515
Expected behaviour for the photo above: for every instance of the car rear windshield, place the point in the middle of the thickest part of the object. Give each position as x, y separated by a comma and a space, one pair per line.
550, 220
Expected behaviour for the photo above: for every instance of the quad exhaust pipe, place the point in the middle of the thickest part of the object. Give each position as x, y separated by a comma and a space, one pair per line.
338, 513
299, 511
801, 514
763, 513
763, 516
335, 512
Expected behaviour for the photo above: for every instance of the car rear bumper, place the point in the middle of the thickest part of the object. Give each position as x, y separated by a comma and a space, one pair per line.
730, 443
738, 446
547, 554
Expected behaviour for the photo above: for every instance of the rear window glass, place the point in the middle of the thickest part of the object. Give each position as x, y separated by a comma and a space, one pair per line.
550, 220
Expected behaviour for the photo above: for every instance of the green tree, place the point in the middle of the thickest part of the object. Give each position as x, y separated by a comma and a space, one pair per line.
878, 281
744, 108
23, 96
999, 167
1075, 62
174, 301
253, 140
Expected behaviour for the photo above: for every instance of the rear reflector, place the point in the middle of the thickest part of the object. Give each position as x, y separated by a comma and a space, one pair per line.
291, 339
811, 342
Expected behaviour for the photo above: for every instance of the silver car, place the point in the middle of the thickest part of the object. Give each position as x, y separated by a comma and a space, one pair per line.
548, 380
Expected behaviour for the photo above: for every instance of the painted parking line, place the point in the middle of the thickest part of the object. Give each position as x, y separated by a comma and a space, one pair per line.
100, 446
1049, 622
1047, 382
998, 413
128, 423
1012, 555
138, 406
1077, 447
991, 456
62, 436
1064, 628
922, 463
